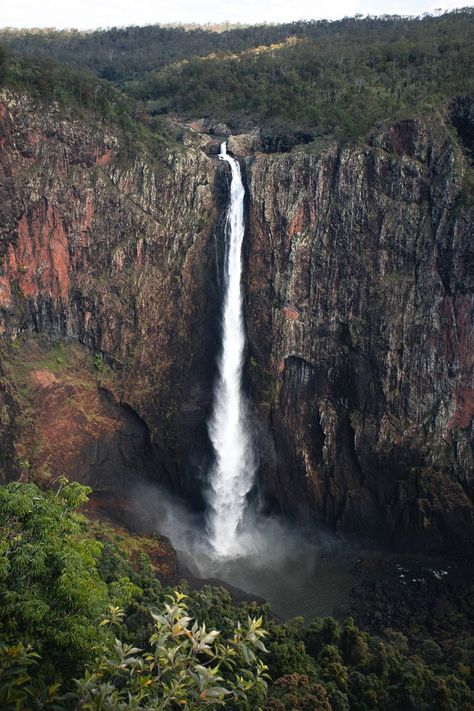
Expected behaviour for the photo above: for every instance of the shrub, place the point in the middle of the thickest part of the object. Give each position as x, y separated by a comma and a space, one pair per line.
186, 665
50, 592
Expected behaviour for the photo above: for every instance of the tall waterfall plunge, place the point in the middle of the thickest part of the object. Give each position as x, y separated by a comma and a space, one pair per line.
233, 472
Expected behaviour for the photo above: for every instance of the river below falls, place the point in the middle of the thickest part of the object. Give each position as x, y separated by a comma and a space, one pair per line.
303, 585
301, 579
306, 573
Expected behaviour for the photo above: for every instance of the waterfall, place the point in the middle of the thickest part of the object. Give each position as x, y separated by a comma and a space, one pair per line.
232, 474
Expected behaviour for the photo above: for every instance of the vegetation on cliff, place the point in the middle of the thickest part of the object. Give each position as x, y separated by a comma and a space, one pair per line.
44, 78
336, 78
339, 84
73, 607
79, 93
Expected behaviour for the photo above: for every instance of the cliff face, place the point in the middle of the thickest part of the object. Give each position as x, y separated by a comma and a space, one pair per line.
100, 244
359, 312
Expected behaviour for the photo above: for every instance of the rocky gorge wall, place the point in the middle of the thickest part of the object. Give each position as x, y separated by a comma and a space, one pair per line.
360, 314
102, 245
358, 305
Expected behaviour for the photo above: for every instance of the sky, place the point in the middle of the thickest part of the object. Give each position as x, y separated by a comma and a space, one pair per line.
90, 14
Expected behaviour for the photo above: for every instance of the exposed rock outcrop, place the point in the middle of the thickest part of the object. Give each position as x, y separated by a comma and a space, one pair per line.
102, 244
360, 314
72, 423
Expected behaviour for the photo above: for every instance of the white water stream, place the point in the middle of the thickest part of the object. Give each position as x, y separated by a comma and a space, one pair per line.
232, 475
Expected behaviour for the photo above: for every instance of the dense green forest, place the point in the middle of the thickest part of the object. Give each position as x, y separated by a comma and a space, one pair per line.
85, 624
325, 78
130, 52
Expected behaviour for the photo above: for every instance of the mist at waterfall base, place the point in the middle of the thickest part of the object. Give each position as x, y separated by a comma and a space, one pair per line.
299, 572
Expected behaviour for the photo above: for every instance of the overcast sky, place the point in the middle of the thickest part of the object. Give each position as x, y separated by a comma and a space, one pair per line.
87, 14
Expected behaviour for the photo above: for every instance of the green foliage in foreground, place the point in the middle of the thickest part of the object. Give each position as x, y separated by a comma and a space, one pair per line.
81, 627
186, 665
51, 592
61, 617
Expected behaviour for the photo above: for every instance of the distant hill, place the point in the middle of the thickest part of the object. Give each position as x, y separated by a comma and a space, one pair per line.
328, 78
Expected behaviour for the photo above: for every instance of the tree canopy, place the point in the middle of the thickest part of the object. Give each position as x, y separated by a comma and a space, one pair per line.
84, 627
328, 78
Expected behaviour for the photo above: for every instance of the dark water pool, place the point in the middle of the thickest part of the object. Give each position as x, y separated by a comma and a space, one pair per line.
298, 576
300, 573
301, 584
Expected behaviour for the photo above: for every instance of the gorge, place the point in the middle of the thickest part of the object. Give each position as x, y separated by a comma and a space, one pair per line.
357, 276
237, 366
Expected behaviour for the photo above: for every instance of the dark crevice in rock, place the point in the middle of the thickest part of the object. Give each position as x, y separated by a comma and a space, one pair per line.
462, 117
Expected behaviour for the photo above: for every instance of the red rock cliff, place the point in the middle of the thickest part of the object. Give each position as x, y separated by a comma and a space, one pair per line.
118, 253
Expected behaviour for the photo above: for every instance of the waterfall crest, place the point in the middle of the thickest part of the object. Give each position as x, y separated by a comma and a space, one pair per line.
232, 475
